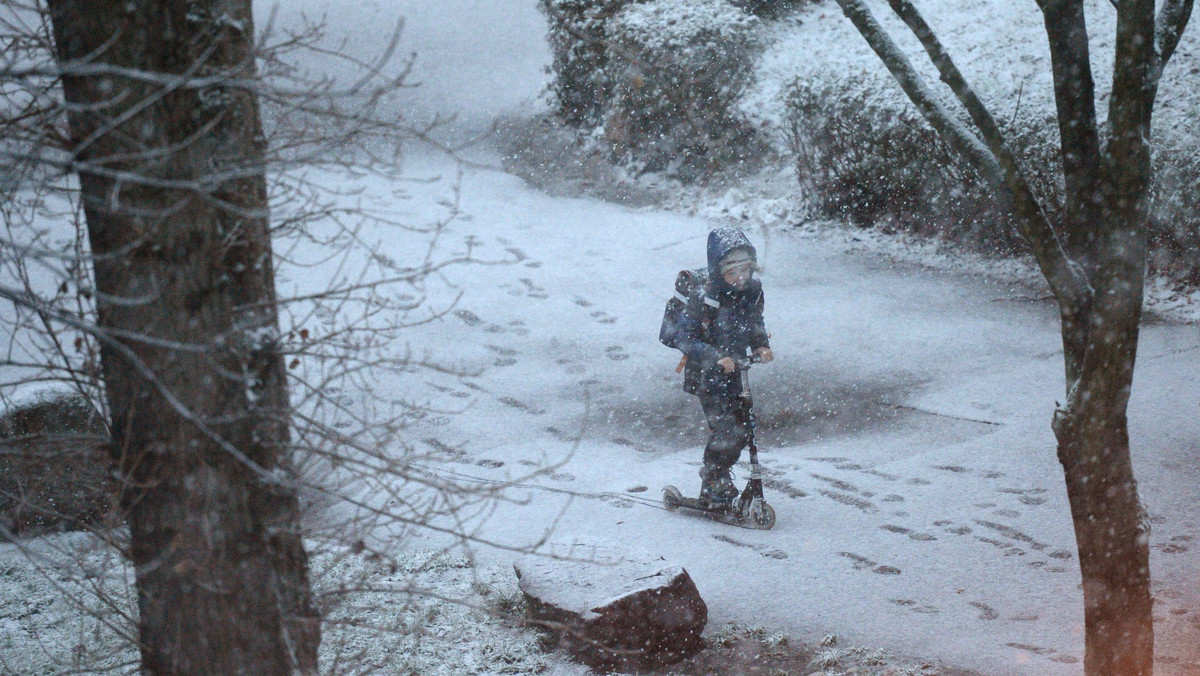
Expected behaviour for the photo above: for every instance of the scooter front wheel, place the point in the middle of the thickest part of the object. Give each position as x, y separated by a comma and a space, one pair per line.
764, 519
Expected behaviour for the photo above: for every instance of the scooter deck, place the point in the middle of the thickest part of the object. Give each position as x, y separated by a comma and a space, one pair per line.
673, 500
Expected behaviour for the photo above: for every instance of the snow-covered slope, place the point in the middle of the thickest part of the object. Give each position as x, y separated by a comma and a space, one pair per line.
1000, 46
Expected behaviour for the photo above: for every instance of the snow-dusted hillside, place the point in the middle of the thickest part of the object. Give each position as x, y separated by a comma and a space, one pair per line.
1000, 45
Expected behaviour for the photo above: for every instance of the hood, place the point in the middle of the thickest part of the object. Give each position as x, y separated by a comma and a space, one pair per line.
720, 242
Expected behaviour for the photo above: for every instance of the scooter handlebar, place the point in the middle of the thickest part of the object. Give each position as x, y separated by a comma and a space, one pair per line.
744, 363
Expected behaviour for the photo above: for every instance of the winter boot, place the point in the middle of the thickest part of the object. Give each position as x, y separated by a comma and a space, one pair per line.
716, 486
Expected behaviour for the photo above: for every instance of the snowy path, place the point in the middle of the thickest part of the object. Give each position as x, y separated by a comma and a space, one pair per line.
905, 429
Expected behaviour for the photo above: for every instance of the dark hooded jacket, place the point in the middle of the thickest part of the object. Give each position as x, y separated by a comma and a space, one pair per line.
720, 320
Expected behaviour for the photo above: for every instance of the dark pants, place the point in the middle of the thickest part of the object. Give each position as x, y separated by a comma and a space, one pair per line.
729, 429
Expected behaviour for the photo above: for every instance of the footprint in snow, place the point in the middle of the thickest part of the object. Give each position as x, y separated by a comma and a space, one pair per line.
780, 486
839, 484
863, 563
533, 290
618, 502
469, 318
507, 355
615, 353
763, 550
1012, 534
571, 366
986, 612
1176, 545
851, 501
915, 607
912, 535
1036, 650
521, 406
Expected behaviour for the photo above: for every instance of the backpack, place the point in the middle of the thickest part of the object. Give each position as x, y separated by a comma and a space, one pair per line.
687, 282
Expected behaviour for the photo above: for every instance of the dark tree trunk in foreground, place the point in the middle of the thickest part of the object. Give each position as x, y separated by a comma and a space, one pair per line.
1095, 262
168, 147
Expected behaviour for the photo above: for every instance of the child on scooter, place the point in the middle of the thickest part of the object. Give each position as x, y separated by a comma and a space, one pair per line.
722, 322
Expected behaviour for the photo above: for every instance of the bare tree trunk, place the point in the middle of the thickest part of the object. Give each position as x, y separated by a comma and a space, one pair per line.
1111, 529
1110, 524
167, 143
1096, 265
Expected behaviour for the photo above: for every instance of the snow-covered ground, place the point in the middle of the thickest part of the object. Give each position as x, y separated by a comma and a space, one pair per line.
904, 425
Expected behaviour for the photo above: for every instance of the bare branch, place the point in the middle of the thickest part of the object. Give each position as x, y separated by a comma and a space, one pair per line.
1067, 283
1172, 20
1079, 136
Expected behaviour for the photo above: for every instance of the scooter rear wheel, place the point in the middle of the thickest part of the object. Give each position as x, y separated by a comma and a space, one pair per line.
672, 498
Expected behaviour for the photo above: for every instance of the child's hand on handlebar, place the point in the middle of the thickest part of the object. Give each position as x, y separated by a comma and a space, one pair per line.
764, 354
726, 364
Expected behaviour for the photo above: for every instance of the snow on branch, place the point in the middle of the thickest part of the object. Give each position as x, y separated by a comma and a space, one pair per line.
980, 115
1172, 19
993, 159
919, 93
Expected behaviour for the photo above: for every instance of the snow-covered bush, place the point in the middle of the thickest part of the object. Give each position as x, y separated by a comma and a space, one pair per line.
866, 156
768, 8
54, 473
862, 156
1175, 215
579, 45
678, 69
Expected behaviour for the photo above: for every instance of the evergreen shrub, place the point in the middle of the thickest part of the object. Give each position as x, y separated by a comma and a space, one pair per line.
578, 36
678, 69
868, 157
769, 9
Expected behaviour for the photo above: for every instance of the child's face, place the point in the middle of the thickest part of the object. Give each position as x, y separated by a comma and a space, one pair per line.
738, 275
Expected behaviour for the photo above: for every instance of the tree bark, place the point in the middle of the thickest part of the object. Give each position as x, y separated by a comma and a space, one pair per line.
167, 143
1111, 530
1079, 139
1098, 277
